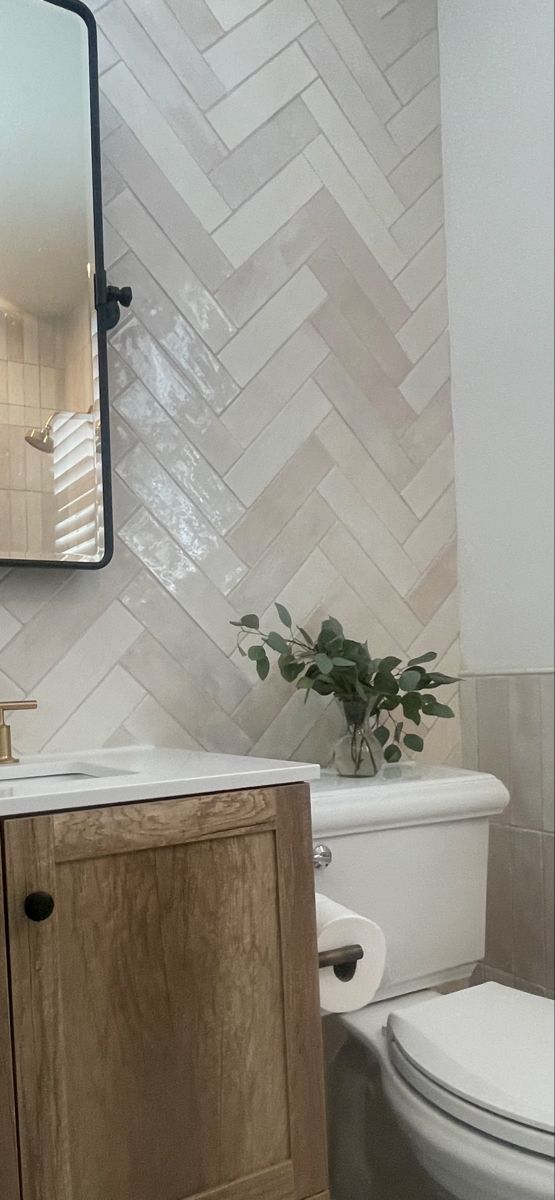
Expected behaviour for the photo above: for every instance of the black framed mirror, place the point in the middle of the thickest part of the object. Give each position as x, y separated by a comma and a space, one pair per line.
55, 303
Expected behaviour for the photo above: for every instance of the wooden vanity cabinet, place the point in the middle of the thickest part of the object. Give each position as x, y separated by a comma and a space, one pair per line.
165, 1017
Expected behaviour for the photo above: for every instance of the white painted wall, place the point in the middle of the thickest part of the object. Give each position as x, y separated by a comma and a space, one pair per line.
497, 85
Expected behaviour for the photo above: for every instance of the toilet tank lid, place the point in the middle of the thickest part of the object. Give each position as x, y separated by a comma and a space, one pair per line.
402, 795
491, 1045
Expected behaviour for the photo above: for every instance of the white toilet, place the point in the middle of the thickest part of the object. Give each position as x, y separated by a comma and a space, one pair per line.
469, 1074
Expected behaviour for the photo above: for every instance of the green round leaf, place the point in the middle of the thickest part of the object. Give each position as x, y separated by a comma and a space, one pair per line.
382, 735
389, 664
276, 642
251, 621
433, 709
385, 682
257, 653
409, 680
392, 754
413, 741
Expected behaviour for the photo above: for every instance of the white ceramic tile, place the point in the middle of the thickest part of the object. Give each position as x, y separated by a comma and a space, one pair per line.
231, 12
441, 631
374, 589
186, 643
150, 724
258, 98
353, 152
425, 325
421, 221
366, 424
73, 678
356, 57
107, 707
366, 476
162, 259
258, 39
162, 496
180, 400
159, 139
282, 376
435, 530
198, 21
191, 67
174, 689
428, 376
181, 578
276, 261
282, 437
152, 71
376, 540
350, 96
264, 153
260, 217
424, 272
354, 203
177, 454
285, 556
155, 192
188, 351
9, 626
271, 328
431, 481
415, 69
419, 170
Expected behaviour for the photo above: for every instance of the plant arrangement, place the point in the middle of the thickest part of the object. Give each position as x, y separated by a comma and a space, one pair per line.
377, 694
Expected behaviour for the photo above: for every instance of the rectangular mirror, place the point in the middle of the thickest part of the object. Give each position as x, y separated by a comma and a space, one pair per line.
55, 307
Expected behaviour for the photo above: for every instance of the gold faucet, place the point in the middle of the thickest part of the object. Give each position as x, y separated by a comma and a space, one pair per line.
6, 757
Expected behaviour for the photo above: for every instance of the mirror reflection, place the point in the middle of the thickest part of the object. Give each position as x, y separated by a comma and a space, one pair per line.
51, 476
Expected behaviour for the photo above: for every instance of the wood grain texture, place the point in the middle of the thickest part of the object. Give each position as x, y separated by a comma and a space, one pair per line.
276, 1184
91, 833
166, 1018
303, 1025
37, 1015
9, 1172
172, 999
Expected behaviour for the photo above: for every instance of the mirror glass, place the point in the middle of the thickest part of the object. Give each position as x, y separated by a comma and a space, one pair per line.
54, 478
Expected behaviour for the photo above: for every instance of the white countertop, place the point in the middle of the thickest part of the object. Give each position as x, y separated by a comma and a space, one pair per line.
92, 779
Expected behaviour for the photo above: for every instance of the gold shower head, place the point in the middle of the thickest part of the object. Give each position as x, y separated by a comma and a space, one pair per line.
41, 439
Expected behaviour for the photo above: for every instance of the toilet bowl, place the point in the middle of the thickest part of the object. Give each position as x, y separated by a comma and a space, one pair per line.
469, 1078
468, 1075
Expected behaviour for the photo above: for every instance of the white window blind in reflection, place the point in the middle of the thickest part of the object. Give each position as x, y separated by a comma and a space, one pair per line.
78, 476
77, 486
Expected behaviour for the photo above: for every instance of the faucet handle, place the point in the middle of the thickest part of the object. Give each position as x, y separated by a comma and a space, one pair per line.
16, 705
6, 756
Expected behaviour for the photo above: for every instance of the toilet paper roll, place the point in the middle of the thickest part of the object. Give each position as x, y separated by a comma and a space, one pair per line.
338, 926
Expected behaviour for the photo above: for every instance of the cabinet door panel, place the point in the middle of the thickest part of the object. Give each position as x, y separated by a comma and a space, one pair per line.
152, 1011
9, 1180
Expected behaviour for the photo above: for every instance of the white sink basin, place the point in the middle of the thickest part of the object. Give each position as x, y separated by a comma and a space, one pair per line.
59, 770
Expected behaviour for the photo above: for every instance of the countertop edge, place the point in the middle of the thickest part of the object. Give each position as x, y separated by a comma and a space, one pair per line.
106, 793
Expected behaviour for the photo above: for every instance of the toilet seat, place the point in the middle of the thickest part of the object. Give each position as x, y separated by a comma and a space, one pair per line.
485, 1057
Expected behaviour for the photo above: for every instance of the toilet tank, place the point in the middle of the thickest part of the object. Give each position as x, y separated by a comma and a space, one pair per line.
410, 850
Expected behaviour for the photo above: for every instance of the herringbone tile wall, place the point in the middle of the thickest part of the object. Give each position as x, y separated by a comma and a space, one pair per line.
281, 415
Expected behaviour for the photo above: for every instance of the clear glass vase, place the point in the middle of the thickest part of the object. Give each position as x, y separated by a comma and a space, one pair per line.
358, 752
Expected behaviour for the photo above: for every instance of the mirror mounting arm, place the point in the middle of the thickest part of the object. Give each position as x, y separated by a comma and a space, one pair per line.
109, 302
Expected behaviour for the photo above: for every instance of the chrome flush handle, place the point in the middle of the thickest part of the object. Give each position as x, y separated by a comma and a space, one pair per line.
322, 857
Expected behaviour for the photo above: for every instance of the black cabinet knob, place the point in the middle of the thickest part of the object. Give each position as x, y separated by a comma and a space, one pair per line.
39, 906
